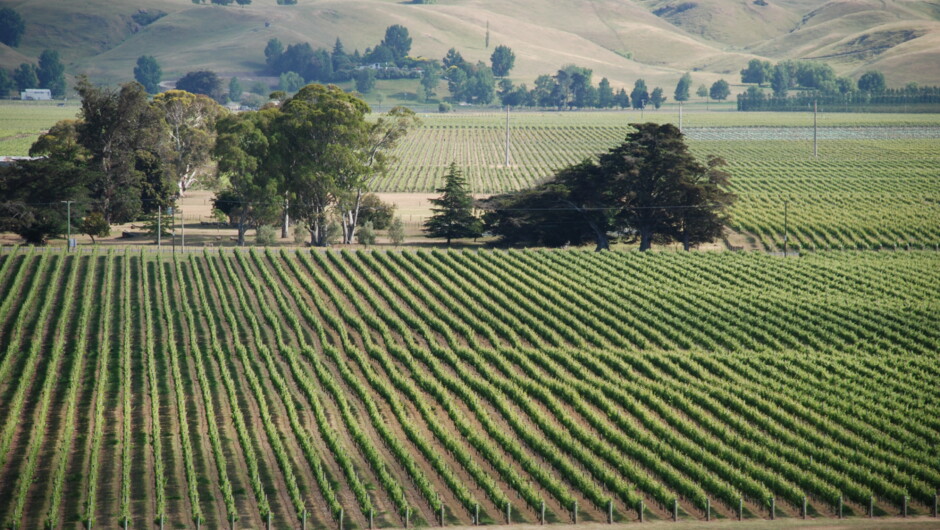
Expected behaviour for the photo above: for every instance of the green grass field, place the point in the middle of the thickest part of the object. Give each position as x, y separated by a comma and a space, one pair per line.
406, 387
22, 122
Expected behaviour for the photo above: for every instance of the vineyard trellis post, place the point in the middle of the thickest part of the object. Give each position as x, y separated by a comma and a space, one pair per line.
268, 524
610, 512
371, 519
803, 512
231, 526
442, 515
740, 509
871, 506
476, 514
840, 506
542, 514
640, 510
773, 508
303, 521
508, 513
904, 507
675, 510
708, 509
340, 519
574, 512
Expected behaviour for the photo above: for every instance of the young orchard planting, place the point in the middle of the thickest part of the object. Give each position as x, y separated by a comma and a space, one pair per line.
400, 388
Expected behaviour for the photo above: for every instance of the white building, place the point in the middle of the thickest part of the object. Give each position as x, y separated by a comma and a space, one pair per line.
36, 94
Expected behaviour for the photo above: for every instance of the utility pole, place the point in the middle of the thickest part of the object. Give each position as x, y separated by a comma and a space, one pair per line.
182, 232
159, 227
68, 209
815, 131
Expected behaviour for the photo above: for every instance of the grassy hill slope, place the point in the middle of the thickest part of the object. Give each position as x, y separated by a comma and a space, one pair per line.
619, 39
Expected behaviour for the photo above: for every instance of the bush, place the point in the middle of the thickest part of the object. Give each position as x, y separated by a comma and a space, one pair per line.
444, 107
366, 234
396, 231
265, 235
301, 234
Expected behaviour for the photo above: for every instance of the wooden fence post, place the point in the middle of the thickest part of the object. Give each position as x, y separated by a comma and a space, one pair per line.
741, 509
904, 507
508, 513
610, 511
574, 512
675, 510
542, 514
476, 514
371, 519
840, 506
341, 514
640, 510
871, 506
708, 509
804, 507
773, 508
303, 523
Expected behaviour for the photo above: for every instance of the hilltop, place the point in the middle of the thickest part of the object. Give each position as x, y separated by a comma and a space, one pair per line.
620, 39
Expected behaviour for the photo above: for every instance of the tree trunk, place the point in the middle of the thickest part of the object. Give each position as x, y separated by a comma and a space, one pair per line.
646, 239
686, 244
351, 219
285, 226
242, 228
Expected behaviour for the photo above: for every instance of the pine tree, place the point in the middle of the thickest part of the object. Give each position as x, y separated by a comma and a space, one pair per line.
453, 218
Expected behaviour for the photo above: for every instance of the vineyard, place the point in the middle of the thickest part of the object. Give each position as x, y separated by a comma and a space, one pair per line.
418, 388
874, 184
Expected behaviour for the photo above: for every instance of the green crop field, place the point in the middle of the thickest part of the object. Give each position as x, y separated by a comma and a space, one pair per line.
400, 387
874, 183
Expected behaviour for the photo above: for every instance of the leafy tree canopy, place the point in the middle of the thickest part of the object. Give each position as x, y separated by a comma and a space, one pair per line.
12, 27
397, 41
204, 82
502, 60
720, 90
148, 73
872, 81
649, 188
51, 72
683, 87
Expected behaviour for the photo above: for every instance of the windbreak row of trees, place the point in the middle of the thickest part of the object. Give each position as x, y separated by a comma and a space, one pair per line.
922, 99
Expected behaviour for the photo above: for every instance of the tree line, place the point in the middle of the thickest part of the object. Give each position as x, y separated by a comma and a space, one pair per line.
312, 158
650, 189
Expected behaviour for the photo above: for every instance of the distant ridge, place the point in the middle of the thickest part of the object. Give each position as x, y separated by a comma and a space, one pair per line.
620, 39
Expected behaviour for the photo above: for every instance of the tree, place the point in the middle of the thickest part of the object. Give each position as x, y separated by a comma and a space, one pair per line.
190, 120
94, 224
272, 54
125, 138
317, 138
234, 89
872, 82
203, 82
650, 187
242, 150
657, 98
757, 71
502, 60
682, 87
290, 82
148, 73
365, 80
372, 151
7, 83
25, 76
639, 97
12, 27
243, 2
780, 81
430, 78
605, 94
396, 231
397, 40
720, 90
31, 194
51, 72
453, 59
453, 216
374, 210
702, 91
622, 99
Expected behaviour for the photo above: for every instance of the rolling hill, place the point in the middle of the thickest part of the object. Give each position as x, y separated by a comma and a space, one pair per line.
620, 39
